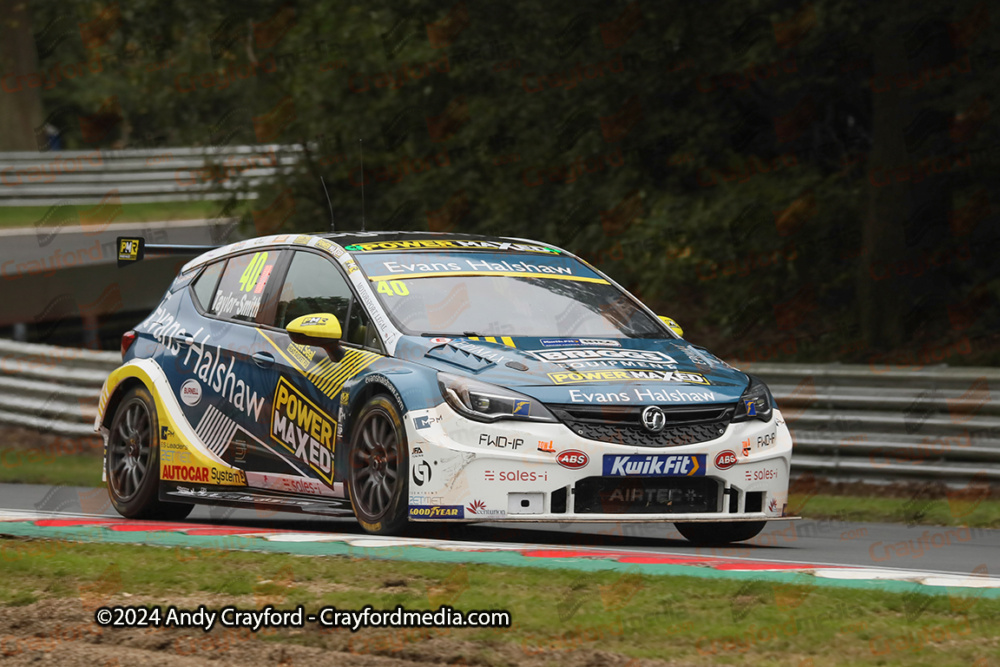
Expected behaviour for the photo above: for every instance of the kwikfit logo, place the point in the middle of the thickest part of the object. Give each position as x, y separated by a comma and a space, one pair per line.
654, 465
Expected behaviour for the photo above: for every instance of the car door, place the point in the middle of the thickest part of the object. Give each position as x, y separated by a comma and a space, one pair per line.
226, 364
303, 412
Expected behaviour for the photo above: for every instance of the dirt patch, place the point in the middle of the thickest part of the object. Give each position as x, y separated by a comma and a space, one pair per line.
63, 632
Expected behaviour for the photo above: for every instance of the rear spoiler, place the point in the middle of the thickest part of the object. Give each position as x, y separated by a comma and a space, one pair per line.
132, 249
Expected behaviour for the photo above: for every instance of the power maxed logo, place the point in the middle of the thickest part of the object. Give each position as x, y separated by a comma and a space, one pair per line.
572, 377
654, 465
437, 512
304, 429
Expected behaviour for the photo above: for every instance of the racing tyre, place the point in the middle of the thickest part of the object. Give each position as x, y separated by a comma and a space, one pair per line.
719, 532
132, 461
379, 465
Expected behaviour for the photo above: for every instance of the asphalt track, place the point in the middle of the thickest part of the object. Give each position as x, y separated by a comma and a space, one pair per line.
956, 551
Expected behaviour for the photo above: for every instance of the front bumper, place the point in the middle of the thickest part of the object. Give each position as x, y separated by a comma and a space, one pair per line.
461, 470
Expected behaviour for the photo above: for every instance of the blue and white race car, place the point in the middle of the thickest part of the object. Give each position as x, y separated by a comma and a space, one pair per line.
408, 377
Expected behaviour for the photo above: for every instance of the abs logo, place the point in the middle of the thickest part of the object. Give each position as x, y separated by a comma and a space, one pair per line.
573, 459
725, 460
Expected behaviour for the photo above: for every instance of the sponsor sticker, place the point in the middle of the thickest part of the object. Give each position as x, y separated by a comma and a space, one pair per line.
599, 342
573, 459
437, 512
304, 429
515, 476
313, 322
181, 466
654, 465
425, 244
557, 342
521, 408
478, 507
191, 392
128, 250
725, 460
601, 354
642, 375
546, 447
499, 441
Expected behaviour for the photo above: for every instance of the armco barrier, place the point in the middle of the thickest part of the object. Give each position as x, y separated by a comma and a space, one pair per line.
52, 388
29, 178
847, 422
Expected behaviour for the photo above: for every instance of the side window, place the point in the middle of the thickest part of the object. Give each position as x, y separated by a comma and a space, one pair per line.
312, 285
204, 286
241, 290
360, 330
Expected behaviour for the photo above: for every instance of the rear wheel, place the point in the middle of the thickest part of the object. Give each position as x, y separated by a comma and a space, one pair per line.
719, 532
379, 464
132, 463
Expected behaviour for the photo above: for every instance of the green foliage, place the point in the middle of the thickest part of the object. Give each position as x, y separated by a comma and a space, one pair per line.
714, 160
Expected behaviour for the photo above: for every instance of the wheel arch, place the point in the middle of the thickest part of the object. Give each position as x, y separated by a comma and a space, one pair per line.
358, 394
115, 399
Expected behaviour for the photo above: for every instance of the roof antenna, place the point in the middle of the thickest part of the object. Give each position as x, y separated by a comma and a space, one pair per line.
333, 223
361, 148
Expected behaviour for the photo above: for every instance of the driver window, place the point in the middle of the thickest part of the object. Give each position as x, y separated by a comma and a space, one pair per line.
313, 285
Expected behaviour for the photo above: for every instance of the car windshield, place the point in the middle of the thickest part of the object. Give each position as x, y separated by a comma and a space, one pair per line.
502, 294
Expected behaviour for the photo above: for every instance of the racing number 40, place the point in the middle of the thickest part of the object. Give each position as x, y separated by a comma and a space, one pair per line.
252, 272
390, 287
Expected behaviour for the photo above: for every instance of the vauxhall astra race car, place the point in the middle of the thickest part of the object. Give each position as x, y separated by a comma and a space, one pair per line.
412, 377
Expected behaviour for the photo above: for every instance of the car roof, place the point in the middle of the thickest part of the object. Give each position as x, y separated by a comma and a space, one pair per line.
346, 239
350, 238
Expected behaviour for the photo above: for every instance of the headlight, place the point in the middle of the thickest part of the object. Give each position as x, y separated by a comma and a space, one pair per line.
487, 402
755, 403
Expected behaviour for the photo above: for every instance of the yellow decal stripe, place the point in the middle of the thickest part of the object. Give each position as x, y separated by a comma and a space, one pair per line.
328, 376
510, 274
507, 341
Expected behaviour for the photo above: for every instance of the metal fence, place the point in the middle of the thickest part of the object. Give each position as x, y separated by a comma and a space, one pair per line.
31, 178
848, 422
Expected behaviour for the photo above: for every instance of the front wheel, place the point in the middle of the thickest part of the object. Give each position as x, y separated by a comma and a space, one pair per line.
379, 464
713, 533
132, 461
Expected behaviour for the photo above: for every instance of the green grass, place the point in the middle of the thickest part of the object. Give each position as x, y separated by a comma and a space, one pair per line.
37, 466
24, 216
955, 511
691, 620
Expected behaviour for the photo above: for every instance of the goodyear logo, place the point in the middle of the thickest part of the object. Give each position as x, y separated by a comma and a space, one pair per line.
654, 465
304, 429
437, 512
576, 377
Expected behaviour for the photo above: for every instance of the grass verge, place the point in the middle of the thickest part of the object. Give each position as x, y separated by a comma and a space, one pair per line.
691, 620
37, 466
956, 511
24, 216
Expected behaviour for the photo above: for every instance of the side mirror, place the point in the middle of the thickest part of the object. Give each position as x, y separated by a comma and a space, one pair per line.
315, 329
673, 326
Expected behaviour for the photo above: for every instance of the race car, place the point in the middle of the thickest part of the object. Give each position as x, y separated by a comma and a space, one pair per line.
408, 377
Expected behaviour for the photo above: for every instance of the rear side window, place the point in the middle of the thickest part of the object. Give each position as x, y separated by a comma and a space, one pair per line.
204, 286
312, 285
240, 294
